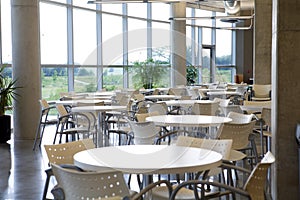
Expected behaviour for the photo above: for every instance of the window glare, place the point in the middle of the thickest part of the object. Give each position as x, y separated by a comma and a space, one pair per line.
53, 31
85, 43
6, 32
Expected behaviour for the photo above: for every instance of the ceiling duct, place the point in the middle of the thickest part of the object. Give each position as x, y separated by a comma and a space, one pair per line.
233, 7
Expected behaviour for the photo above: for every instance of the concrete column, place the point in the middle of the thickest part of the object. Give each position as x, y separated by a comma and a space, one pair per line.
178, 45
26, 66
244, 54
285, 97
262, 41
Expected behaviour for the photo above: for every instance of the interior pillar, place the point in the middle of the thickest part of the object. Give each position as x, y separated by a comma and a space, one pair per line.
178, 45
26, 66
285, 98
262, 41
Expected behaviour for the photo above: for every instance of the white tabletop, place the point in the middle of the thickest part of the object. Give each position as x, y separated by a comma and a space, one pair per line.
223, 93
102, 94
188, 120
254, 108
85, 101
97, 108
148, 159
165, 97
185, 102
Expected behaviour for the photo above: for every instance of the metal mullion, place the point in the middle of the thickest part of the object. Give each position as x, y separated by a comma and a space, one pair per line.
200, 59
125, 46
99, 48
149, 30
193, 41
70, 40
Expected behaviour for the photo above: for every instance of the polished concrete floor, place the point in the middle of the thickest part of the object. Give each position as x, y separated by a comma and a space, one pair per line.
22, 170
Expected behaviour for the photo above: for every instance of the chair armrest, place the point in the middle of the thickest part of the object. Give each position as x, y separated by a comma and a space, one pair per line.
150, 187
200, 184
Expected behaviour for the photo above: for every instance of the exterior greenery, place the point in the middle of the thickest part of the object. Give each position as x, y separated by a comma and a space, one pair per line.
149, 73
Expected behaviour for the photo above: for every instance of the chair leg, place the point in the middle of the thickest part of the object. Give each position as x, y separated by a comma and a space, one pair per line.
49, 174
36, 136
42, 134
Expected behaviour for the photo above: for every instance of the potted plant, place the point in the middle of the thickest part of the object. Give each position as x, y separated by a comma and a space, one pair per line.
149, 73
7, 94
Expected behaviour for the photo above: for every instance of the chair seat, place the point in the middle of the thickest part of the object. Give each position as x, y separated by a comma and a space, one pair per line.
77, 130
161, 193
261, 98
236, 155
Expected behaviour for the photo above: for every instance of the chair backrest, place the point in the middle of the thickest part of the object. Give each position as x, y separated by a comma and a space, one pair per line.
141, 117
205, 108
178, 91
240, 118
230, 108
194, 93
45, 107
139, 97
266, 116
161, 108
261, 91
90, 185
222, 102
61, 110
63, 153
239, 133
186, 97
221, 146
256, 182
144, 132
257, 103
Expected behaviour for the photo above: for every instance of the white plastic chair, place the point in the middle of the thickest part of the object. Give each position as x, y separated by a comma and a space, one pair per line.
76, 184
44, 121
144, 132
221, 146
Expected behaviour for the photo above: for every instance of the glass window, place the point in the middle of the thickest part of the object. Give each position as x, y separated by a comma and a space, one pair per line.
54, 82
85, 43
206, 32
137, 9
112, 78
223, 43
6, 32
137, 40
60, 1
160, 11
112, 8
85, 79
53, 34
224, 75
83, 3
161, 42
112, 40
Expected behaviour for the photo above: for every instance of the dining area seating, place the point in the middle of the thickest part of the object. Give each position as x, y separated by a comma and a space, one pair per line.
159, 142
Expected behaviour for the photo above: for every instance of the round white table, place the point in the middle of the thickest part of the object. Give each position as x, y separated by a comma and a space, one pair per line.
254, 108
84, 101
148, 159
100, 110
185, 102
188, 120
221, 94
161, 97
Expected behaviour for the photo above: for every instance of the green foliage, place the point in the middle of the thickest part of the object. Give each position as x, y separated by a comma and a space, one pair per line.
7, 90
191, 74
148, 74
